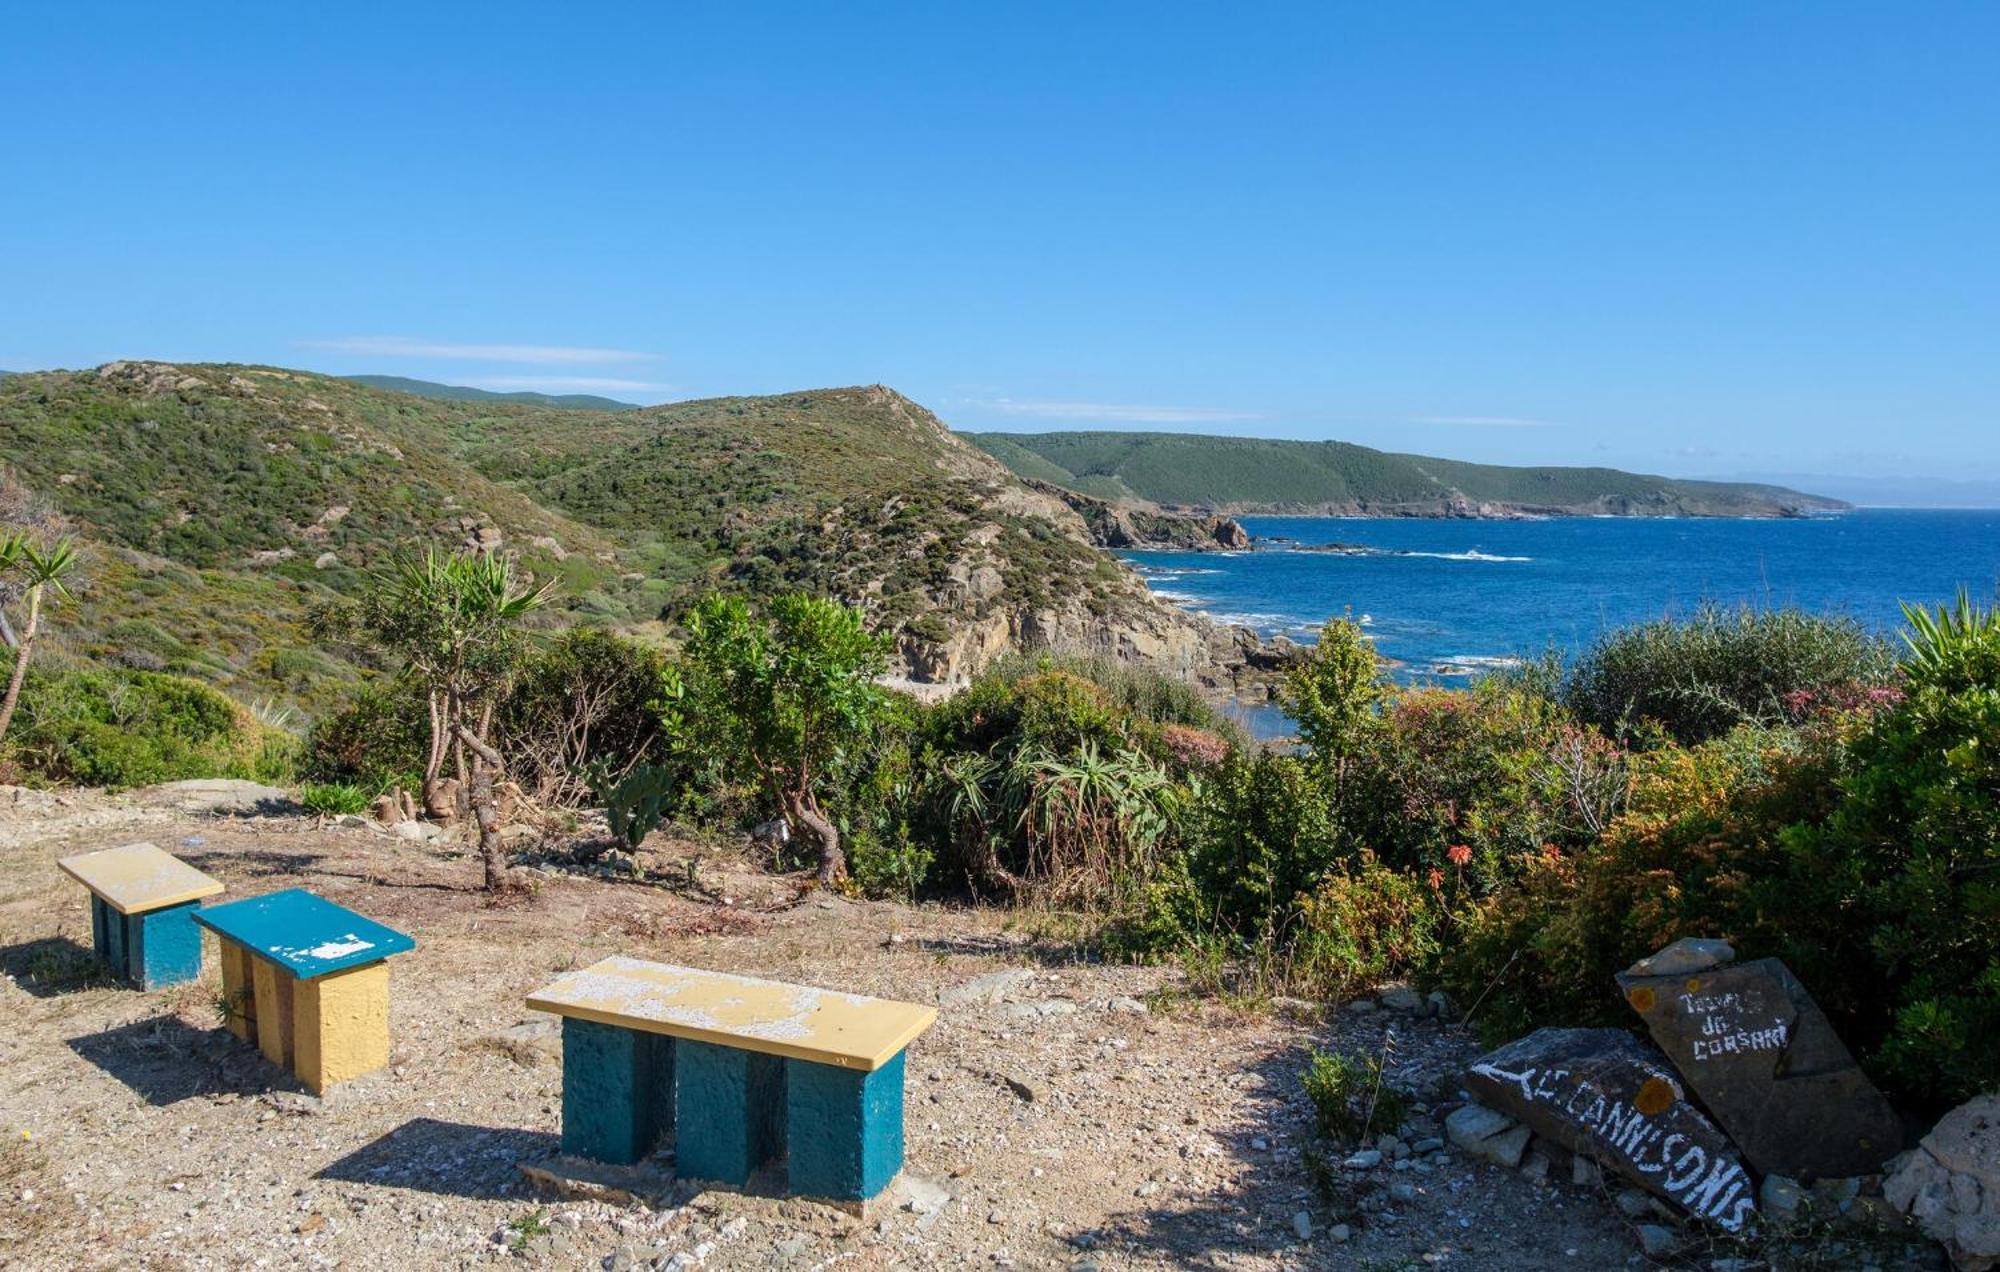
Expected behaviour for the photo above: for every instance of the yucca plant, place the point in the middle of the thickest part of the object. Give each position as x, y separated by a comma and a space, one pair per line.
1952, 648
39, 576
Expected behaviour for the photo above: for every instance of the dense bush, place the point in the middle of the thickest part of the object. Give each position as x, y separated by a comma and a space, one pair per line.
1862, 848
581, 700
1699, 678
120, 727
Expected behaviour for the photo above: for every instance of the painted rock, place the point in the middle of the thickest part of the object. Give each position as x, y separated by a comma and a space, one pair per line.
1607, 1096
1766, 1064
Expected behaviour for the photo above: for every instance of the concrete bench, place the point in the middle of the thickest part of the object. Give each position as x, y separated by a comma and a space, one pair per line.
142, 904
308, 982
745, 1072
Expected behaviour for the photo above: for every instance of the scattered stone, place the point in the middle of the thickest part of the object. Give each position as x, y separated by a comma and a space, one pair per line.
1041, 1009
529, 1043
1361, 1006
1402, 1192
1604, 1094
1402, 998
1302, 1224
1487, 1134
1585, 1173
1128, 1007
1338, 1233
1781, 1199
990, 988
1949, 1185
1536, 1166
1689, 954
1366, 1159
1658, 1241
1439, 1004
417, 831
1633, 1203
1766, 1062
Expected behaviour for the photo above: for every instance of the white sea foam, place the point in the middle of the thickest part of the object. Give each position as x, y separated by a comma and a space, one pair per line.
1472, 554
1472, 664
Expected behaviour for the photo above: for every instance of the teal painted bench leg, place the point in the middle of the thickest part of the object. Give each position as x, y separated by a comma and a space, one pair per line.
618, 1091
729, 1109
162, 947
844, 1129
101, 917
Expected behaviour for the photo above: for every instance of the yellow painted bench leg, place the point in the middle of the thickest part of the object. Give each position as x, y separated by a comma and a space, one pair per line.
275, 990
239, 990
341, 1025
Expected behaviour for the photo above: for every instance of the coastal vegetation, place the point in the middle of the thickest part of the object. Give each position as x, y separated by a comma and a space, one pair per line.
683, 615
1240, 475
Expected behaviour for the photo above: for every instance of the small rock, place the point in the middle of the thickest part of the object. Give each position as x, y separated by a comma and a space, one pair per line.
1128, 1007
1633, 1204
1657, 1240
1781, 1199
1689, 954
1402, 998
1439, 1004
1536, 1166
1302, 1224
1402, 1192
990, 988
1585, 1173
1339, 1233
1361, 1006
1366, 1159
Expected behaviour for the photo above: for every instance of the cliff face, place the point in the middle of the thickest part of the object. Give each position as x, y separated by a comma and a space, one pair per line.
263, 492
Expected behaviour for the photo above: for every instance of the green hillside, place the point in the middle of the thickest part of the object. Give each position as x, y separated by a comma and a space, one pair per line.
220, 504
461, 393
1249, 475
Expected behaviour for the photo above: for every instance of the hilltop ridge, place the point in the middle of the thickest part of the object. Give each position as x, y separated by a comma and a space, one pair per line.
222, 504
1239, 475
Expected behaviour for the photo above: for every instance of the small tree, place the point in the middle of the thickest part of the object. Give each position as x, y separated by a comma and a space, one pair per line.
1333, 694
37, 575
455, 619
786, 693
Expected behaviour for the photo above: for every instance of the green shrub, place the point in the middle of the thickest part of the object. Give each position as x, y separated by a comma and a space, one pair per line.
1365, 924
333, 799
897, 867
119, 727
1349, 1098
1698, 678
376, 740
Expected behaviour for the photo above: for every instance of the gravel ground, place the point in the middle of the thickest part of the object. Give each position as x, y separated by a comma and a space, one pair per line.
1061, 1114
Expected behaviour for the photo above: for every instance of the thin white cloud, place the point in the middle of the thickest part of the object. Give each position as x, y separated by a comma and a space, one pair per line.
1483, 421
565, 383
1114, 412
413, 347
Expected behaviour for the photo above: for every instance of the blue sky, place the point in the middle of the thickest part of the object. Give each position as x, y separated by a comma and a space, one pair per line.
1698, 238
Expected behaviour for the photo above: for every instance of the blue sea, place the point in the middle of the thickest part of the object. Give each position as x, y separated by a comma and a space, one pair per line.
1448, 600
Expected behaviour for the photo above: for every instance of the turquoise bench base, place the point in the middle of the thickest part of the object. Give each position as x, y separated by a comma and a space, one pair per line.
618, 1091
729, 1112
151, 950
837, 1133
845, 1129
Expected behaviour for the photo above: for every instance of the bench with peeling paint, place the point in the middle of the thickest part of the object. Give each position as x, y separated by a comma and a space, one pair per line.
142, 905
308, 982
746, 1073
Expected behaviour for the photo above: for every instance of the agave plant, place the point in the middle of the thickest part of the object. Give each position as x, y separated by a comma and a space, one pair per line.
1952, 649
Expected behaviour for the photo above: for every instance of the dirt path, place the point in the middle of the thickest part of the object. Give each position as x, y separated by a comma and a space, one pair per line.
1070, 1124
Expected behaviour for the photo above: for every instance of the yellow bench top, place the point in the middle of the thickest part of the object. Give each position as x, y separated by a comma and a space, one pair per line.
139, 877
821, 1025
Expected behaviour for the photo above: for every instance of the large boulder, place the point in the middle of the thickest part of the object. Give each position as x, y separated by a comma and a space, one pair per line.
1605, 1095
1765, 1063
1950, 1184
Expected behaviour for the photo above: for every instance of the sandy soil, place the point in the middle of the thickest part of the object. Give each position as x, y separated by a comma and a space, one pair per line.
1066, 1115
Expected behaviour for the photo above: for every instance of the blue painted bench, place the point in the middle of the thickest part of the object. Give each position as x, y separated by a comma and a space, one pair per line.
142, 905
746, 1074
308, 982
